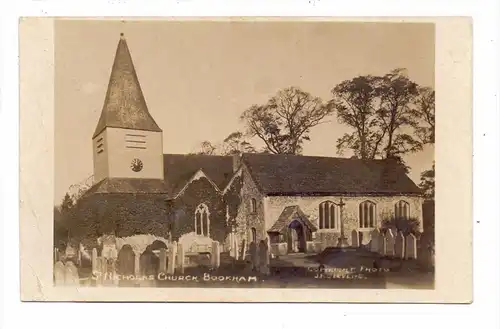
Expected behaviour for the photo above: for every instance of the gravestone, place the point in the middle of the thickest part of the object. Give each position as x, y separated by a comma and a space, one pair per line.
399, 245
382, 248
264, 257
163, 261
389, 243
94, 261
243, 250
374, 247
59, 273
354, 239
126, 261
180, 258
172, 252
411, 247
71, 277
236, 247
215, 255
254, 255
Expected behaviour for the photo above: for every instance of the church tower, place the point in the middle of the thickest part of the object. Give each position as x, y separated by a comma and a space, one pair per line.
127, 142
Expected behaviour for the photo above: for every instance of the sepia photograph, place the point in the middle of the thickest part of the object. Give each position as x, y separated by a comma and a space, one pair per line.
282, 159
302, 159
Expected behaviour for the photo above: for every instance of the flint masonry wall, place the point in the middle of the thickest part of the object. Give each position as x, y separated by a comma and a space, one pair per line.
384, 209
247, 219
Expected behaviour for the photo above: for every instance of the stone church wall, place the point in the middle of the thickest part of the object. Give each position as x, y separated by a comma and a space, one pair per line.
246, 219
184, 206
385, 206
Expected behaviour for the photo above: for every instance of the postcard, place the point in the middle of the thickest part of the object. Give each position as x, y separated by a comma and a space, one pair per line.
246, 159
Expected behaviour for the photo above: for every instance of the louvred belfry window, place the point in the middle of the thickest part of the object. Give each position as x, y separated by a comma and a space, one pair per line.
367, 217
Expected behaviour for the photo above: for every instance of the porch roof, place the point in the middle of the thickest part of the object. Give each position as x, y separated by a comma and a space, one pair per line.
288, 215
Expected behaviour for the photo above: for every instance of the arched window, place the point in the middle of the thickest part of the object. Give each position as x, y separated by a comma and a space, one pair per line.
402, 210
367, 215
253, 206
328, 215
202, 220
254, 235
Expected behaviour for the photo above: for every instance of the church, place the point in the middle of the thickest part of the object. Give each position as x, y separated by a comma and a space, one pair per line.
143, 196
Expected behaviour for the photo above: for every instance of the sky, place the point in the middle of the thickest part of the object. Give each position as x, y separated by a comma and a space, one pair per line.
199, 76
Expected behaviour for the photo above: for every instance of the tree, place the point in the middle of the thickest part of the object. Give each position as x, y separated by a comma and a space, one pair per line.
62, 220
355, 102
285, 121
426, 108
383, 113
207, 148
397, 94
427, 183
234, 143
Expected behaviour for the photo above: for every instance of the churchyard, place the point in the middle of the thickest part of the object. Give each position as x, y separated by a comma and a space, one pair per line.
388, 259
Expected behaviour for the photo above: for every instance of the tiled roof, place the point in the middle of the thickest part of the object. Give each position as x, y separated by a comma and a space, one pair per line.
124, 105
129, 186
288, 215
295, 175
179, 168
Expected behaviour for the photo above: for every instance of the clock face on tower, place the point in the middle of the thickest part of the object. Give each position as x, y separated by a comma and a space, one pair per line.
136, 165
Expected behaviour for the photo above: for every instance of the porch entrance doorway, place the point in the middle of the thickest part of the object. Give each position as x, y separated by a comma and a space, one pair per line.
296, 237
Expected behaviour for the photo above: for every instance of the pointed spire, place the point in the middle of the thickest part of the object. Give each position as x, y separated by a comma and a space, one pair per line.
125, 106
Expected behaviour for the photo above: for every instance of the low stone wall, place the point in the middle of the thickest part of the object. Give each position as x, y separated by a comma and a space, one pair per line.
314, 247
279, 249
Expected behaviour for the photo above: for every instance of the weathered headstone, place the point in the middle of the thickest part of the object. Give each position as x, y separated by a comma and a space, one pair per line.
71, 277
374, 247
264, 256
236, 247
172, 252
382, 248
399, 245
59, 273
126, 261
215, 254
354, 239
94, 261
411, 247
389, 243
137, 263
254, 255
163, 261
180, 258
243, 250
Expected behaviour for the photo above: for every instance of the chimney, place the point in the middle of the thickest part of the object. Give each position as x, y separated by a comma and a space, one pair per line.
236, 161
